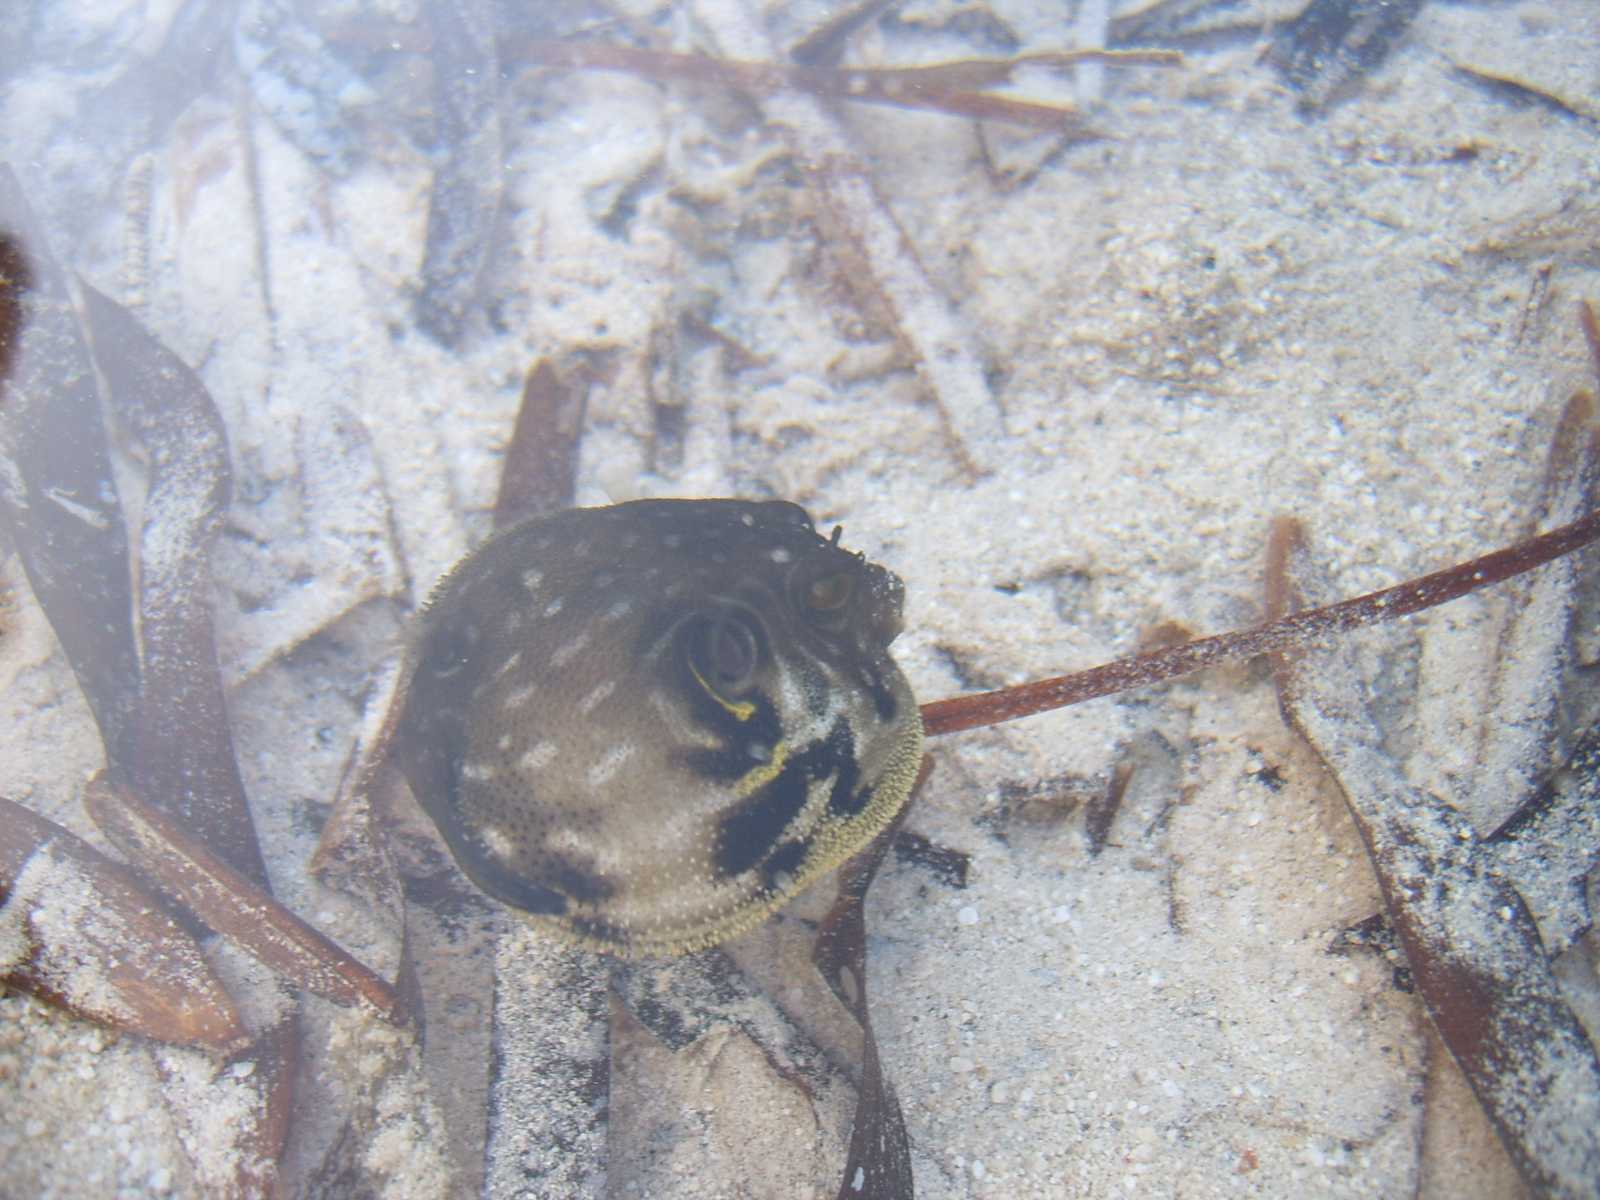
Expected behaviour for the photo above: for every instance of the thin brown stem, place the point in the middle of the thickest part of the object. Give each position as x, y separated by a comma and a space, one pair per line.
1591, 333
942, 87
1298, 629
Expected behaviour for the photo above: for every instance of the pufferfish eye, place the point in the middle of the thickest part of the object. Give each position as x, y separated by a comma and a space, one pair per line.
830, 593
726, 651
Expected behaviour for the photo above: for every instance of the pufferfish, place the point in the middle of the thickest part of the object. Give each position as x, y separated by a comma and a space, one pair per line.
650, 725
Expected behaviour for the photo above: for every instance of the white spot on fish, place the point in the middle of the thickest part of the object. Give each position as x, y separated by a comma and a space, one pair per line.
601, 773
569, 650
498, 844
664, 707
597, 697
654, 649
531, 579
780, 554
542, 754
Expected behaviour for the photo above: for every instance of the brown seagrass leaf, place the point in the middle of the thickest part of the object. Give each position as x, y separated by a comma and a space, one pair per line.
1529, 712
879, 1163
549, 1080
58, 497
160, 712
1299, 629
352, 854
184, 759
235, 1122
85, 933
16, 282
1332, 45
465, 196
183, 754
229, 902
1550, 846
1471, 941
540, 470
949, 88
550, 1074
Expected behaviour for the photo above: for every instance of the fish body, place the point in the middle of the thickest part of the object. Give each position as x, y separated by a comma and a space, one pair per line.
648, 726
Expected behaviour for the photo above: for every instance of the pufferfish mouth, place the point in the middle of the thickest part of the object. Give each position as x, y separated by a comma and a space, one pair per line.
886, 613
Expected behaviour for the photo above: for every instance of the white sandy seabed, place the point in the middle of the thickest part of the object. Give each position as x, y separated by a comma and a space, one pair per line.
1227, 311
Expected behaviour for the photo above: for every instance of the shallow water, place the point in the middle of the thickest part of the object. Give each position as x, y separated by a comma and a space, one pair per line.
1224, 310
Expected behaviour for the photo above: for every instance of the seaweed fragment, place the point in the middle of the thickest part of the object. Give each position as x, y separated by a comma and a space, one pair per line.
1374, 935
1102, 809
1296, 629
879, 1162
86, 934
465, 196
952, 88
146, 658
550, 1080
1332, 44
824, 45
949, 867
1524, 93
1470, 940
183, 757
1187, 22
539, 474
16, 282
58, 497
230, 903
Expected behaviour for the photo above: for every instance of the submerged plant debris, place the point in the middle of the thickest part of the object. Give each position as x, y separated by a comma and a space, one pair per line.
143, 656
1333, 44
1060, 385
